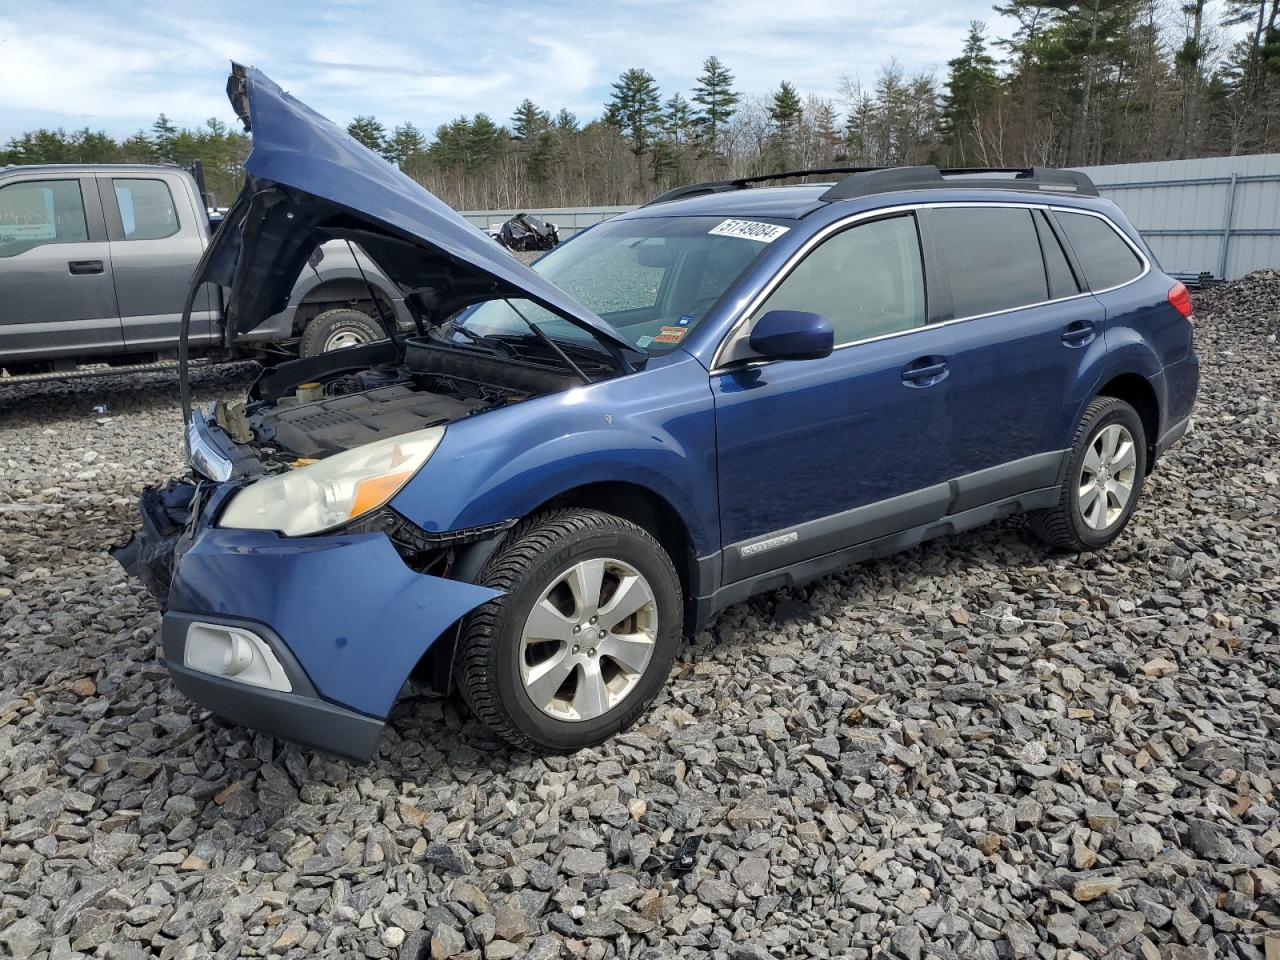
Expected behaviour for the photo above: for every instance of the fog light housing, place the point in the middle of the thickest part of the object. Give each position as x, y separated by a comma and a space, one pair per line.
234, 653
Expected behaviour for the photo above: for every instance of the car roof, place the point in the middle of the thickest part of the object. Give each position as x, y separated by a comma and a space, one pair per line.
90, 167
788, 203
799, 201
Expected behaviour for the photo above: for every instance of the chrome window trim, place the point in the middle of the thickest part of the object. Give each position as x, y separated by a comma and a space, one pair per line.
836, 226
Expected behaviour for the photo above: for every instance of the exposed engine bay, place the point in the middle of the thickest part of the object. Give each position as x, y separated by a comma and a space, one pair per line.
436, 382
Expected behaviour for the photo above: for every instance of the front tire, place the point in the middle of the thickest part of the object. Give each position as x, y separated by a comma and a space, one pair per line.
582, 637
336, 329
1105, 470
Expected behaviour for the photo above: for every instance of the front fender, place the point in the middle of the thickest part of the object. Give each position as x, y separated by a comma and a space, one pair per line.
654, 429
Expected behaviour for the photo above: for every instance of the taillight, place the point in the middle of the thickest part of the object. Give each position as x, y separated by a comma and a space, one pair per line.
1180, 298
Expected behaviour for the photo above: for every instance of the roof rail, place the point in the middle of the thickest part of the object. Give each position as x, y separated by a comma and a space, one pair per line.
1034, 179
741, 183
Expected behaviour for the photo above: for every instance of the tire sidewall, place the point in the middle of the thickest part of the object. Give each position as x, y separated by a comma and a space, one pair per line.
1127, 417
646, 557
326, 324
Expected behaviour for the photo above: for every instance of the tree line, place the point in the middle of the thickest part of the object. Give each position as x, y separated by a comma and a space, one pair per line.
1076, 82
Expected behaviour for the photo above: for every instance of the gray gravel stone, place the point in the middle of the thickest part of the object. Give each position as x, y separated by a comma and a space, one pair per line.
928, 755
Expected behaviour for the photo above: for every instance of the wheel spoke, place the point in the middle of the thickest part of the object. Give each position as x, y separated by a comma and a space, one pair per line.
1110, 438
591, 698
1124, 458
584, 581
547, 677
631, 651
547, 623
1088, 494
1096, 509
1092, 459
632, 594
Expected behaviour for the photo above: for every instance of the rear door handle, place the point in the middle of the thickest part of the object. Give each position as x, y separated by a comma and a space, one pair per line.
924, 371
1079, 333
82, 267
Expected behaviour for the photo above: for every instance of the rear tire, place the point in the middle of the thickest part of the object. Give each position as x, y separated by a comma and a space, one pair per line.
338, 328
1105, 470
514, 650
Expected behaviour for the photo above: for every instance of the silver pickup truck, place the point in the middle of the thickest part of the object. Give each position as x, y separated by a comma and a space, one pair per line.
95, 261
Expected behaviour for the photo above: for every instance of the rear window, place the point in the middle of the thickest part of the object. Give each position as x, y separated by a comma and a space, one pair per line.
146, 209
992, 256
1106, 259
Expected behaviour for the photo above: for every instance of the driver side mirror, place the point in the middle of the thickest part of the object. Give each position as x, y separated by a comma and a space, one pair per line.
792, 335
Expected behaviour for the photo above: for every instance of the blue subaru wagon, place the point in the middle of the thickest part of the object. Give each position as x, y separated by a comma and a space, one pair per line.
561, 471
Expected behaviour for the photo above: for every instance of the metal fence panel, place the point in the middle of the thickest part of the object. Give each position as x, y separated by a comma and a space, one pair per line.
1215, 215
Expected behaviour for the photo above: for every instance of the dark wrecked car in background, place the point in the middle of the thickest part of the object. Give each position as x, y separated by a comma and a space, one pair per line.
526, 232
560, 471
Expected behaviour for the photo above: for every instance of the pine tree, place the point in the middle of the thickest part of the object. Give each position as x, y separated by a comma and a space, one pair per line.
971, 87
676, 118
785, 110
713, 92
163, 135
406, 142
635, 109
529, 120
368, 131
566, 121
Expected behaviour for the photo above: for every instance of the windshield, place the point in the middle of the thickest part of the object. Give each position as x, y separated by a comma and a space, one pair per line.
652, 278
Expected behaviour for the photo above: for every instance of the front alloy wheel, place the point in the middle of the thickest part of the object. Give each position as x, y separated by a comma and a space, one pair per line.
582, 636
589, 639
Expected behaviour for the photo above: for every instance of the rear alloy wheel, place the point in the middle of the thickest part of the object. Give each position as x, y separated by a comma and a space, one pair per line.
1105, 471
338, 329
582, 637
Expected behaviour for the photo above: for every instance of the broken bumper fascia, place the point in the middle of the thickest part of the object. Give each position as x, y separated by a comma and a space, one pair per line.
342, 612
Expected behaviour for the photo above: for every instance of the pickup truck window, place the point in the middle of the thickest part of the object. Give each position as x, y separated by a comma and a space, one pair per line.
36, 212
146, 209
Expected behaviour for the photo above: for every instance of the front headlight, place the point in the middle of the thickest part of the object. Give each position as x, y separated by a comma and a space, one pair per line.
334, 490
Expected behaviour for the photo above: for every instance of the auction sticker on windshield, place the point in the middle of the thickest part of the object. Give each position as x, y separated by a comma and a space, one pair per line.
748, 230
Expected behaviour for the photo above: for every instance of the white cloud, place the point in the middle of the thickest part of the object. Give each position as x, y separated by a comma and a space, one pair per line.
70, 65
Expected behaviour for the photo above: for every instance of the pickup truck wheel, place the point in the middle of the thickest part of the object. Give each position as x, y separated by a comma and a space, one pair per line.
581, 639
335, 329
1105, 471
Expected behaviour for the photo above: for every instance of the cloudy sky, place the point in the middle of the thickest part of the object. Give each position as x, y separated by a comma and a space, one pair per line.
76, 63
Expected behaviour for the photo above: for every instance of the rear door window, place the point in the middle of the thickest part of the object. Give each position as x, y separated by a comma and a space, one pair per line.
146, 209
37, 212
992, 258
1062, 282
1106, 259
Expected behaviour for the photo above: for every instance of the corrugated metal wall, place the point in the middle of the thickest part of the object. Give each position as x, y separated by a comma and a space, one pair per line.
1217, 215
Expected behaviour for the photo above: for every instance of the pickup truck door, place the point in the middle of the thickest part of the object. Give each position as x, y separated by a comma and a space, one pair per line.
56, 293
158, 230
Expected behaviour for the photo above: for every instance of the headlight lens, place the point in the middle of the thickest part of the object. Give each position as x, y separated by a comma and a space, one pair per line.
334, 490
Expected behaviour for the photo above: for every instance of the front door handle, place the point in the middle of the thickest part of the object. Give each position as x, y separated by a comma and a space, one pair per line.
924, 371
82, 268
1079, 333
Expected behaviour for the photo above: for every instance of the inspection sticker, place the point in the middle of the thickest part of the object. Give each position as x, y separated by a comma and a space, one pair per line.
748, 230
670, 334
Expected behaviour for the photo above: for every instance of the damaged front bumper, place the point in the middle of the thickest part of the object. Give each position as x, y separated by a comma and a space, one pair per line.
341, 615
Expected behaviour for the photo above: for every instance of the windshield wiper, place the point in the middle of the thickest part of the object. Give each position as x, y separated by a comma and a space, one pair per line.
541, 335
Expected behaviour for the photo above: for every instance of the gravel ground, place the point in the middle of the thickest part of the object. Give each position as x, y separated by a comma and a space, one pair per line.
972, 750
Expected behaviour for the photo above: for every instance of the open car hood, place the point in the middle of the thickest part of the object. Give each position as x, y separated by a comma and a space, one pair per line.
308, 181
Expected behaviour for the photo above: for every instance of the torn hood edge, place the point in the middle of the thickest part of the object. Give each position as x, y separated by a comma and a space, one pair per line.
308, 181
